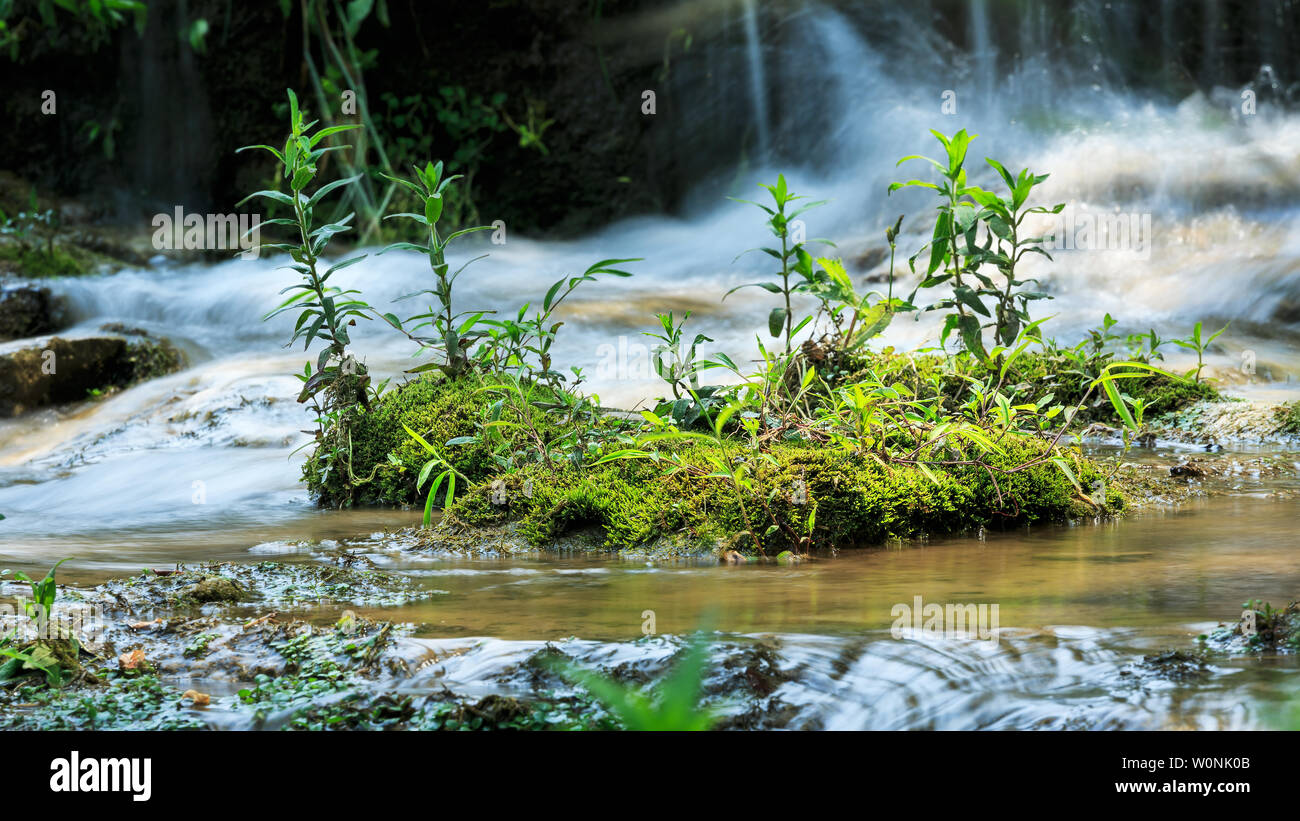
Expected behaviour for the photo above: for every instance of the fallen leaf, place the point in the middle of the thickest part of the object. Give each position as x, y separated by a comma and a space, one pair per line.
199, 699
132, 660
141, 625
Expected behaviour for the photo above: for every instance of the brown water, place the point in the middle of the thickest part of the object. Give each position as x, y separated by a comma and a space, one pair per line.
1166, 571
1079, 608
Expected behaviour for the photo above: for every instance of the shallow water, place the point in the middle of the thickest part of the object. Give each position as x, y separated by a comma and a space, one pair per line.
1161, 571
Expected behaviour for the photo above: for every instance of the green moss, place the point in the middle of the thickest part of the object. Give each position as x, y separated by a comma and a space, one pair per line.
858, 501
62, 259
1040, 373
149, 359
1289, 418
385, 462
1060, 376
1164, 395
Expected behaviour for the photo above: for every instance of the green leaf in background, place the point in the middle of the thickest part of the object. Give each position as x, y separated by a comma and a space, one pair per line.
776, 322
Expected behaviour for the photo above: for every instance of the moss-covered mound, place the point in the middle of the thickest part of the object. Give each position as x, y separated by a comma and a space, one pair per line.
1043, 373
1161, 394
839, 499
375, 461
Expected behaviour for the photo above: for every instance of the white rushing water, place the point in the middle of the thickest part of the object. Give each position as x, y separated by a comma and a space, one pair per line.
1217, 185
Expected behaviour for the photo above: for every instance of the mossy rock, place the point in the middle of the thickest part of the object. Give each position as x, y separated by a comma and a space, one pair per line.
27, 312
70, 370
858, 501
1162, 394
216, 589
265, 583
389, 460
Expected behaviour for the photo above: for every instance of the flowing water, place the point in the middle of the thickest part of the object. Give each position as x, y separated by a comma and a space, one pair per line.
202, 465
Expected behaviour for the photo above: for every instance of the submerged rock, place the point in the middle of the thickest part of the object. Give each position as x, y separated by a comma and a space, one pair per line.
1176, 665
216, 589
70, 370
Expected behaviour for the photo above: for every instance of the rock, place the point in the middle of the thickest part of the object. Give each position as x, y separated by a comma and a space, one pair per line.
216, 589
1187, 469
70, 370
62, 370
26, 312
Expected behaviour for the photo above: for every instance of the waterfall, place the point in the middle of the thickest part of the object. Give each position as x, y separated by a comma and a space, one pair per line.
757, 78
983, 51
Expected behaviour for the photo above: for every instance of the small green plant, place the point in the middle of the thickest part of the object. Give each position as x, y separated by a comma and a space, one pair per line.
834, 288
792, 256
533, 128
198, 648
38, 656
448, 475
1003, 220
957, 255
950, 258
1195, 343
44, 592
453, 333
324, 311
522, 346
891, 237
674, 706
674, 366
